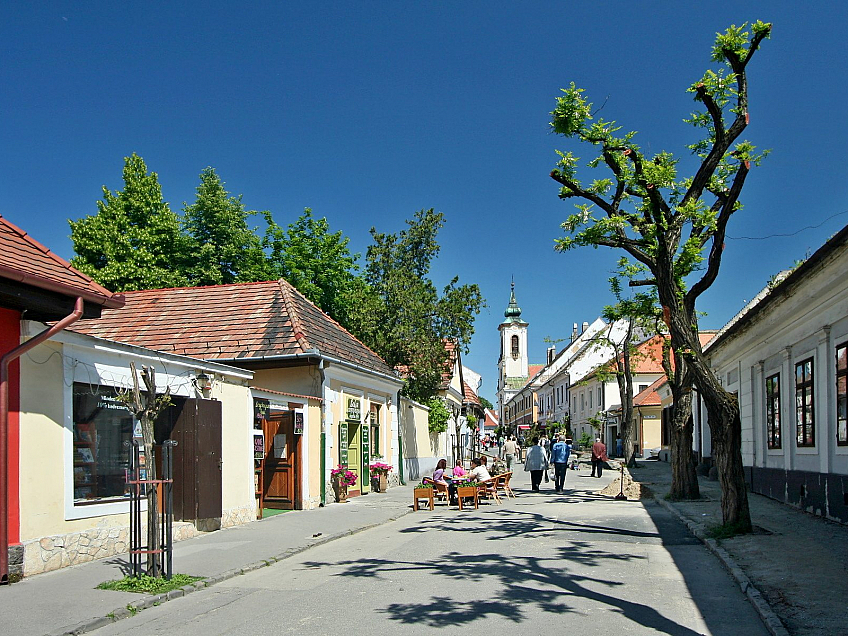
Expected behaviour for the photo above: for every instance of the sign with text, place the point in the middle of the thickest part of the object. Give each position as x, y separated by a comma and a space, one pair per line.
342, 443
258, 445
298, 422
354, 412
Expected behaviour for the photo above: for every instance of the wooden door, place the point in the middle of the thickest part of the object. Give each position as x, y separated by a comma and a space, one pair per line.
280, 471
196, 427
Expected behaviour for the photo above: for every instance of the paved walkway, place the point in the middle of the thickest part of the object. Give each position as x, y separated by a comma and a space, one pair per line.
798, 562
66, 601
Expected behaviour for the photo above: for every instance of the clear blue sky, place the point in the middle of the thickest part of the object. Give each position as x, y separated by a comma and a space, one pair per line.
367, 112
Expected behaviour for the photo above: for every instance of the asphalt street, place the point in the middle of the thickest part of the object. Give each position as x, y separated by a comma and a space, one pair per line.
575, 563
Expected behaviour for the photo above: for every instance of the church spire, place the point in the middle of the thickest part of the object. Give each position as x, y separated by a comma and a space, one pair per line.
513, 311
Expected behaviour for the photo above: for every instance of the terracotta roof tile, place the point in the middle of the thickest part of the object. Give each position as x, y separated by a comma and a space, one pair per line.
24, 259
238, 321
649, 395
470, 395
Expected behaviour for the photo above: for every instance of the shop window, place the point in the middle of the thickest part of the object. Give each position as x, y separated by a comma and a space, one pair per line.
804, 411
103, 431
773, 410
842, 394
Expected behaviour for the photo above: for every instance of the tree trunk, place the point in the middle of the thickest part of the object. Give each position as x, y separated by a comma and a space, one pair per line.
154, 559
684, 479
726, 430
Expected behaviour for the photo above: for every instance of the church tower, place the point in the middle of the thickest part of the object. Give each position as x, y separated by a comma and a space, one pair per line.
513, 363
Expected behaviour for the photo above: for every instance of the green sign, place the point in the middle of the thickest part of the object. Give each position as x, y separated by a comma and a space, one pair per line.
353, 410
366, 459
342, 443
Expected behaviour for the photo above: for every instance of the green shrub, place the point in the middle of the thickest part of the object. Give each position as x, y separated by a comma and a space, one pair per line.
145, 584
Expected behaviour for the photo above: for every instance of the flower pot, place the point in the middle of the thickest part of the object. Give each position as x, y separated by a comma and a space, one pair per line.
384, 483
341, 492
375, 483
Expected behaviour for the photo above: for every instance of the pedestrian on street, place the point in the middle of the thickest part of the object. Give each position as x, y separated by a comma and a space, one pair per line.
560, 453
510, 450
599, 456
537, 463
619, 446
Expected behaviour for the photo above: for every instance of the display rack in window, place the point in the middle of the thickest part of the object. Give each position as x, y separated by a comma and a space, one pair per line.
85, 466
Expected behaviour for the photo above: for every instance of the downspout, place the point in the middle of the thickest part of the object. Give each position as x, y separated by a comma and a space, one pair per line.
7, 359
323, 462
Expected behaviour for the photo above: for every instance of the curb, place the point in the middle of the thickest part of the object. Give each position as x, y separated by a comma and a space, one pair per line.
761, 606
157, 599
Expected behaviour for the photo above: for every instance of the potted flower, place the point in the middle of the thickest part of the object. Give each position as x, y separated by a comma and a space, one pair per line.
379, 476
342, 478
422, 491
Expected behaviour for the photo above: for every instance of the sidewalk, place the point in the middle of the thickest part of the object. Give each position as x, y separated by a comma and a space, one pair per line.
66, 601
798, 562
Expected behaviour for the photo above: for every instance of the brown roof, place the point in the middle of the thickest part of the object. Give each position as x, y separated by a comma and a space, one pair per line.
447, 368
649, 395
470, 395
242, 321
25, 260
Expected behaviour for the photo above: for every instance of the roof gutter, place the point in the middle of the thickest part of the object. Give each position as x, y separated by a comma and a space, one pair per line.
115, 301
6, 360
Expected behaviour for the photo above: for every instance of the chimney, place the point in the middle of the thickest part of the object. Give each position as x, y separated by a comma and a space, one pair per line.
551, 354
574, 332
585, 327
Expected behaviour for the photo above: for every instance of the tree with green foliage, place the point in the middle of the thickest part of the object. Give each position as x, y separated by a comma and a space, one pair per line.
134, 240
485, 403
402, 316
666, 223
223, 248
318, 263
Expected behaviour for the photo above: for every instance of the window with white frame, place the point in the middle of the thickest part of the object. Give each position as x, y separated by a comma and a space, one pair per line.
842, 394
773, 410
804, 404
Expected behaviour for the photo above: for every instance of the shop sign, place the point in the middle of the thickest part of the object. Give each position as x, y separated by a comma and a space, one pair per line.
342, 443
298, 422
366, 459
353, 409
260, 411
258, 445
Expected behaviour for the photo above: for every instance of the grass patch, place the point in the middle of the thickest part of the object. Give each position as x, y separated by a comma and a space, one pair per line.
725, 531
149, 585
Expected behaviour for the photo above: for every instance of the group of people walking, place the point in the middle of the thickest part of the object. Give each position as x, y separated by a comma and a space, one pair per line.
539, 458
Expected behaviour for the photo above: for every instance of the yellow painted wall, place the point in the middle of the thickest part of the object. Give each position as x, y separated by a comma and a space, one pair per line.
651, 428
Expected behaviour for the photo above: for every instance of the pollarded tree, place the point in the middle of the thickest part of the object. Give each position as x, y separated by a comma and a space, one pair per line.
224, 248
669, 225
134, 240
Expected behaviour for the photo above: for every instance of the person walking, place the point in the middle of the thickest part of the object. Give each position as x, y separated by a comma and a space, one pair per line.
560, 453
599, 456
536, 462
510, 450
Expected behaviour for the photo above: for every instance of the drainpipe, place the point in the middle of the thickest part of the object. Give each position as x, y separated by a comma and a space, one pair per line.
7, 359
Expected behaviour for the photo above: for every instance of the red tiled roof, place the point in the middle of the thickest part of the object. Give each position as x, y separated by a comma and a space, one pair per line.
447, 369
649, 395
226, 322
470, 395
25, 260
491, 419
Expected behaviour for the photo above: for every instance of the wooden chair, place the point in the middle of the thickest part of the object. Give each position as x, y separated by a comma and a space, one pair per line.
441, 489
489, 489
503, 484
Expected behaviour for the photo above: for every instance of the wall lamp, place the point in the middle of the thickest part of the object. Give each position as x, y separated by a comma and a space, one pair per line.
203, 383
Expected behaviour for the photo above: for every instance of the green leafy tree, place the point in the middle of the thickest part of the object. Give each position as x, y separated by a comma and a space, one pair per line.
402, 316
224, 248
674, 226
134, 240
318, 263
485, 403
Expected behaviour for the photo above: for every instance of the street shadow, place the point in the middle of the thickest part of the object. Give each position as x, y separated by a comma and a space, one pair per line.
515, 583
123, 565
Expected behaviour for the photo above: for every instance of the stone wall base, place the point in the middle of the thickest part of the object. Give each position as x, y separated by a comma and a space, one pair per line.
59, 551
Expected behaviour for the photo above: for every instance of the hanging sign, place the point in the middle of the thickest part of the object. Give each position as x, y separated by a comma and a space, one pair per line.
260, 411
342, 443
298, 422
353, 410
366, 458
258, 445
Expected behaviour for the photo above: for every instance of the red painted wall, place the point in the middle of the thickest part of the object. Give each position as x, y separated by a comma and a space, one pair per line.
10, 337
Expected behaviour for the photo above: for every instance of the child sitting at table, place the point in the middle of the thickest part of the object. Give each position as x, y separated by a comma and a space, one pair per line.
439, 473
458, 470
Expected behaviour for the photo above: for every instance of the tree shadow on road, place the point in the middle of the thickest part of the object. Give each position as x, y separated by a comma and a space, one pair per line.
516, 583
